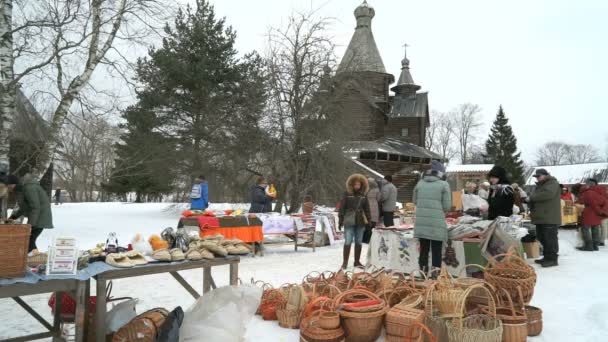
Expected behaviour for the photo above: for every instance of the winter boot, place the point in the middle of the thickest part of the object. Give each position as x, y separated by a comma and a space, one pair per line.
588, 247
358, 256
549, 263
539, 261
596, 246
345, 256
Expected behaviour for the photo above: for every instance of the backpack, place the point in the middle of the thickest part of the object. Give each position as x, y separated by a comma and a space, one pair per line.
143, 328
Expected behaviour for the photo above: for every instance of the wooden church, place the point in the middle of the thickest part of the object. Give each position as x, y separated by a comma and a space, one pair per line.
388, 131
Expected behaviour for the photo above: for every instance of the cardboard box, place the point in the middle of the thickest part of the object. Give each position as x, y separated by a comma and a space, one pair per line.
532, 249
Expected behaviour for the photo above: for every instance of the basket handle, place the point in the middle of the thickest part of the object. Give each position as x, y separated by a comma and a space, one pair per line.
330, 286
413, 277
512, 307
339, 299
426, 329
521, 299
464, 268
463, 300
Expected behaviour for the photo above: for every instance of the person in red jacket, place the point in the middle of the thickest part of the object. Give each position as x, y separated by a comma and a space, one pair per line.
566, 194
596, 207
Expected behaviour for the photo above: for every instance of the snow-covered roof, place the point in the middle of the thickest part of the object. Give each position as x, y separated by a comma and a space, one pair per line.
575, 173
368, 169
469, 168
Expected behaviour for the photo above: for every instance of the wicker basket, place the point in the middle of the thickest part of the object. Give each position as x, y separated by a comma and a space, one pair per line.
486, 328
310, 331
289, 319
402, 321
361, 326
445, 296
329, 320
272, 299
463, 281
515, 322
510, 273
535, 320
419, 338
14, 239
394, 295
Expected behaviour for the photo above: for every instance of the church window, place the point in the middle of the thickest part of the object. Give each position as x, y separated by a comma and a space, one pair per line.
405, 132
393, 157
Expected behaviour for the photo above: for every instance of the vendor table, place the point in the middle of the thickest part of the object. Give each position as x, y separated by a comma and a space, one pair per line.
398, 250
240, 227
157, 268
78, 290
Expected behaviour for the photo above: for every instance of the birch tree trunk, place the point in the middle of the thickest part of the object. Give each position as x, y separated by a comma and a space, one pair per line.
7, 88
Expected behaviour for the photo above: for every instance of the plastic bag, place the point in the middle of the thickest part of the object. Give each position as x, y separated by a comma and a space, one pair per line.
181, 239
120, 314
470, 201
141, 245
221, 315
168, 234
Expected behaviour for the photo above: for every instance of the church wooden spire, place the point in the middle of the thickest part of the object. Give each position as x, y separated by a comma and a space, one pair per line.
362, 53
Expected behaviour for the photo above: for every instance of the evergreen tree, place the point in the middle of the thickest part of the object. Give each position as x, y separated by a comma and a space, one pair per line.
501, 148
209, 100
143, 163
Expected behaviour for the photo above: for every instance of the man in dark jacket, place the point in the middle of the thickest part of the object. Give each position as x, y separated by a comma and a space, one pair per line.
546, 214
261, 202
35, 204
501, 197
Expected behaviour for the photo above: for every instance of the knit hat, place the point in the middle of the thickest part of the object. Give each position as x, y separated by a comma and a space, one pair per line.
499, 173
436, 165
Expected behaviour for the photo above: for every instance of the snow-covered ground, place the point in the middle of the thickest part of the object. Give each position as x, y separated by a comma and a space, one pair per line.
573, 296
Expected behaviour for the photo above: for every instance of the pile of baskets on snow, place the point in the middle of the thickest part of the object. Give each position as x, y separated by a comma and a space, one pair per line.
345, 306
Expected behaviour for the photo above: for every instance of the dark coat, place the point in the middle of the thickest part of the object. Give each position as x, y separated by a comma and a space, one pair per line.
35, 204
260, 201
596, 206
501, 198
546, 203
355, 201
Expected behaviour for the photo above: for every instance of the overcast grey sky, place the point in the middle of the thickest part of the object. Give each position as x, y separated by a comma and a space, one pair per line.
545, 61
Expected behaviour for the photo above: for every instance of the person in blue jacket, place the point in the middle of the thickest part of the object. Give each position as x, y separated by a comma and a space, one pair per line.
199, 197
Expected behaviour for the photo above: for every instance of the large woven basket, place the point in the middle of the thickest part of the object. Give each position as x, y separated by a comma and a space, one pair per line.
463, 281
14, 239
510, 273
360, 326
428, 335
480, 327
535, 320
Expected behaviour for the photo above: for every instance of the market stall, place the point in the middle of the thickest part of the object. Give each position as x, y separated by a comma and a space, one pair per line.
471, 241
243, 227
172, 268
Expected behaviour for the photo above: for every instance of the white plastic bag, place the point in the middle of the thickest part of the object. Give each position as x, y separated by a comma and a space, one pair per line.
221, 315
470, 201
141, 245
120, 314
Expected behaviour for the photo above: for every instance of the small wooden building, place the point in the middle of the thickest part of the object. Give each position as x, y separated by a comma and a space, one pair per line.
460, 175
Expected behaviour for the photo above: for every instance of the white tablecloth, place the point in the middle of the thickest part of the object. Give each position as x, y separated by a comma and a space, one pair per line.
399, 251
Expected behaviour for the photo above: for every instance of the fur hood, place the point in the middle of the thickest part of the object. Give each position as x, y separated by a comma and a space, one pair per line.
351, 182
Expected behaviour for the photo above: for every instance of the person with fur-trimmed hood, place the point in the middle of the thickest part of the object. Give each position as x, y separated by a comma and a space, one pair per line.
502, 198
353, 216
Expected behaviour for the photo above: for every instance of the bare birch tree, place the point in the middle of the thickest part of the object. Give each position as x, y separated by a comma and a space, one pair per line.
465, 127
63, 42
443, 141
